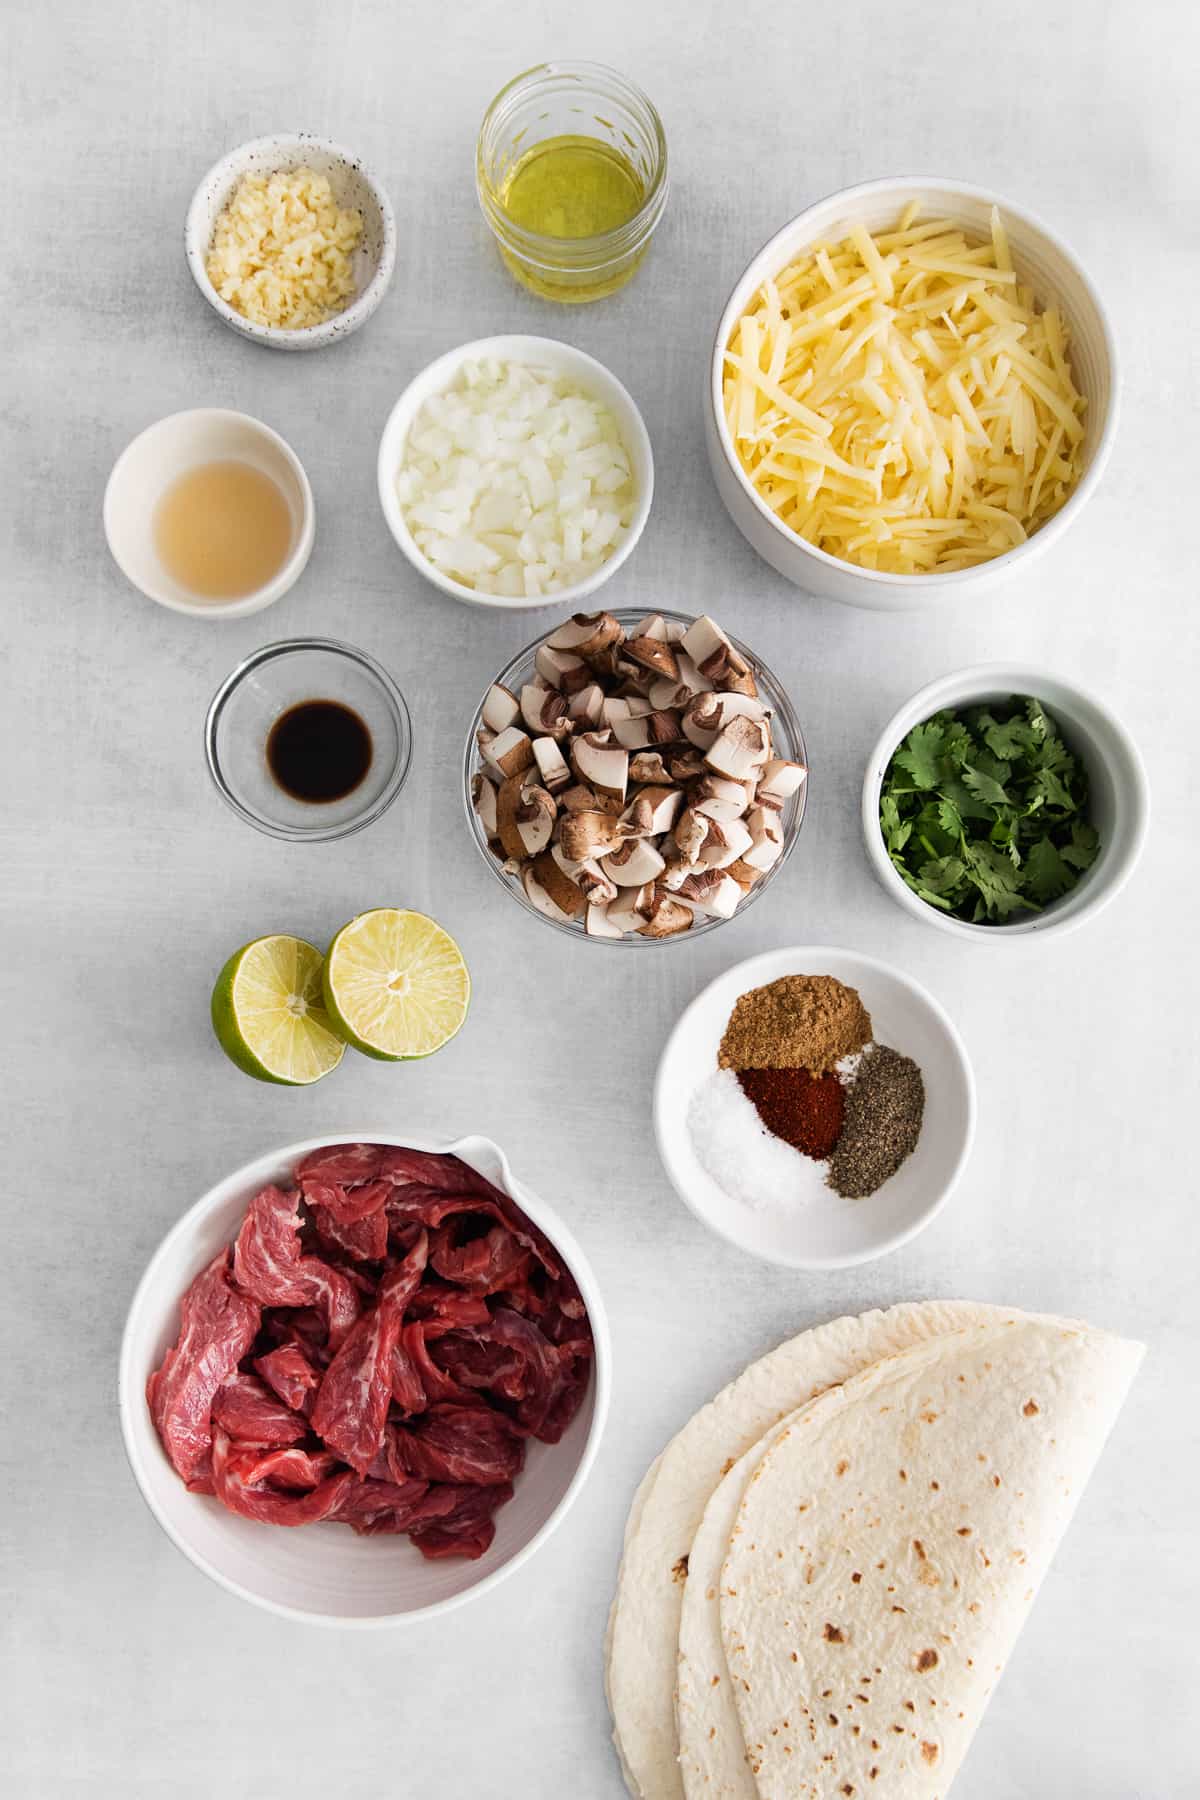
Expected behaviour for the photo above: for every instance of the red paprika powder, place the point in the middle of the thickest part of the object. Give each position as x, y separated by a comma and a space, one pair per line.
805, 1110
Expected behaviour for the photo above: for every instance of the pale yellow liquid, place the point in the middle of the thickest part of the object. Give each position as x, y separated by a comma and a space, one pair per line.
223, 530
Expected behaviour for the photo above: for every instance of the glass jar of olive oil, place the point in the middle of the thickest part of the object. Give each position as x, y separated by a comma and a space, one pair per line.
571, 170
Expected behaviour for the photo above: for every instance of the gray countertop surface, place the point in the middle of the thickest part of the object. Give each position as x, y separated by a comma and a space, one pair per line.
126, 882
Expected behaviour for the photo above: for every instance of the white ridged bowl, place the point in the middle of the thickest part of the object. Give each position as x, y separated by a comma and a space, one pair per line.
1053, 271
326, 1574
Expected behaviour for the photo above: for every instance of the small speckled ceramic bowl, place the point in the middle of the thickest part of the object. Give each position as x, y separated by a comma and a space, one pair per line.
354, 185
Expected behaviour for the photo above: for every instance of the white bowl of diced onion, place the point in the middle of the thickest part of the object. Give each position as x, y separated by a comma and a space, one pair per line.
516, 472
1042, 261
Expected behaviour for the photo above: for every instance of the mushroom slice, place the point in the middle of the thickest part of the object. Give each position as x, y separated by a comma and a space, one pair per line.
779, 780
634, 864
509, 752
544, 711
500, 708
631, 907
586, 705
632, 734
586, 635
727, 840
587, 835
688, 683
562, 670
653, 654
718, 798
667, 917
743, 874
484, 738
599, 922
552, 892
744, 744
711, 891
602, 763
652, 811
525, 817
686, 765
648, 769
552, 765
596, 887
483, 799
708, 714
690, 835
715, 657
766, 834
652, 626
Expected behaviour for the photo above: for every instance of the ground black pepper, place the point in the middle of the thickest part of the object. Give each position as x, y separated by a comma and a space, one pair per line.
884, 1109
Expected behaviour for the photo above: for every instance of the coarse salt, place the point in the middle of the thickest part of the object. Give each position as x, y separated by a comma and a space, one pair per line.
515, 481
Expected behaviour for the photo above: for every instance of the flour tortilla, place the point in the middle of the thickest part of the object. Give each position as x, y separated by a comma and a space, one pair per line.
888, 1547
643, 1631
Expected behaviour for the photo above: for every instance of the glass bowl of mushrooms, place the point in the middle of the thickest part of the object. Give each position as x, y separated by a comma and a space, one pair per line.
635, 780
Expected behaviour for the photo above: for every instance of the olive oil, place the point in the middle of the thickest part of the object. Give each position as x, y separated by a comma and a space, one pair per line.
223, 530
572, 187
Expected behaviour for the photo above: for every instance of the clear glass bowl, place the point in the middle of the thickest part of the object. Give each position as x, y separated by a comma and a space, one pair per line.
788, 741
576, 99
267, 684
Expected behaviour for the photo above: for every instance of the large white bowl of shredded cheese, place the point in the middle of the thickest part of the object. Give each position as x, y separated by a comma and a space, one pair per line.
871, 390
516, 472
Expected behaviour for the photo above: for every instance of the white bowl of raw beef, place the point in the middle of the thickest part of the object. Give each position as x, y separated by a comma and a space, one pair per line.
325, 1572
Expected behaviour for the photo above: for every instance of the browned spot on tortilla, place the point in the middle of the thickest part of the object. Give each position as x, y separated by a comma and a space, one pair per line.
715, 1680
995, 1481
899, 1609
833, 1634
871, 1774
841, 1466
904, 1474
929, 1752
728, 1464
1030, 1408
925, 1660
919, 1547
833, 1718
928, 1418
680, 1571
964, 1531
856, 1577
809, 1573
936, 1486
795, 1658
847, 1787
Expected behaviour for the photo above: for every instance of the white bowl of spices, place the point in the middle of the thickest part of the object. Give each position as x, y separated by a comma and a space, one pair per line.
814, 1107
292, 241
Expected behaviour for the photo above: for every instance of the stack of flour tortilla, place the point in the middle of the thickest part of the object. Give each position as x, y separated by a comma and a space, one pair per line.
825, 1571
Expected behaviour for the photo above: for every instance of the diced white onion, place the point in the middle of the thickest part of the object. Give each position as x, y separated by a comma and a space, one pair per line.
515, 481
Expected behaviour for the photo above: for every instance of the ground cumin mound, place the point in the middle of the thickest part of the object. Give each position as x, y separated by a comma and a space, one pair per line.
800, 1021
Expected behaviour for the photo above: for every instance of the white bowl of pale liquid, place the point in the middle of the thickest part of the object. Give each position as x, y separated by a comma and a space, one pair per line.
155, 460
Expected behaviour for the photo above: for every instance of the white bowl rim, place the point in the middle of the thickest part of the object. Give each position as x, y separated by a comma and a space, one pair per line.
283, 580
755, 966
956, 689
1045, 534
130, 1392
515, 347
364, 302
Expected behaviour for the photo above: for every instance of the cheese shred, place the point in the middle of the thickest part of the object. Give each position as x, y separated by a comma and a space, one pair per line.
941, 423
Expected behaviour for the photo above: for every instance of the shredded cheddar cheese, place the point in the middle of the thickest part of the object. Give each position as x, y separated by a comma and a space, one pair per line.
903, 402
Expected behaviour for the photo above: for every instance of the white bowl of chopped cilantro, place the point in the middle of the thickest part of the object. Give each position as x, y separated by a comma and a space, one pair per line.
1002, 801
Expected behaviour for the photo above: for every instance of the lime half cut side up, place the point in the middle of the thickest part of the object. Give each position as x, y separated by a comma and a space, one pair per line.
269, 1014
396, 985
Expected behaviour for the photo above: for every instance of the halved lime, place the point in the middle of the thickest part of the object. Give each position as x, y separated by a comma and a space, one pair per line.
269, 1015
395, 984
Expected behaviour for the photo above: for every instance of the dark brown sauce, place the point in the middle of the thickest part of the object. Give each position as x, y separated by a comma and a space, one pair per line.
319, 750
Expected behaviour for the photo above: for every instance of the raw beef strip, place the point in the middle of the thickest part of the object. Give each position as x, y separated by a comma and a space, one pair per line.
348, 1204
464, 1444
217, 1326
268, 1265
366, 1240
341, 1163
435, 1383
417, 1172
239, 1485
290, 1468
288, 1373
372, 1506
484, 1264
352, 1404
469, 1529
247, 1410
408, 1390
512, 1358
437, 1300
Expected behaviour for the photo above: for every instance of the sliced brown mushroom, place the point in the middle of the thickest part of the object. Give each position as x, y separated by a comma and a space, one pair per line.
705, 717
561, 669
552, 764
652, 811
668, 917
711, 891
509, 752
779, 781
544, 711
766, 834
524, 817
653, 626
483, 799
552, 892
690, 835
649, 769
586, 836
602, 763
743, 746
596, 887
686, 765
653, 654
718, 798
743, 874
500, 708
687, 684
598, 922
585, 706
727, 840
586, 634
634, 864
715, 656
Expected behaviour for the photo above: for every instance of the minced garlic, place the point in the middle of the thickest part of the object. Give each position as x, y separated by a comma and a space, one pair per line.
281, 250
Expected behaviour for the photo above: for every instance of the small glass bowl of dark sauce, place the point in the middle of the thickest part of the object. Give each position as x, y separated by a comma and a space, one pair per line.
308, 739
